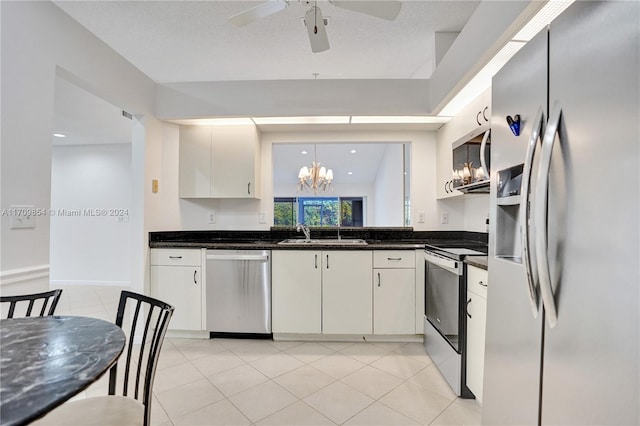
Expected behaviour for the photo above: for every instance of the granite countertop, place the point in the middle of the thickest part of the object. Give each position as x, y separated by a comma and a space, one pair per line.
378, 238
273, 245
477, 261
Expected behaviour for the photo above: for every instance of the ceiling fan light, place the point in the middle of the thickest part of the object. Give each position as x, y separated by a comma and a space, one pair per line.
316, 30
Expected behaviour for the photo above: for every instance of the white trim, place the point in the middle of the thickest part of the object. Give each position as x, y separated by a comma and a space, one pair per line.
13, 276
378, 338
61, 283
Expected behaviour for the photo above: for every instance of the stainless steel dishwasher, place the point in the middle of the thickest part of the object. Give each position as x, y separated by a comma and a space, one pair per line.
239, 292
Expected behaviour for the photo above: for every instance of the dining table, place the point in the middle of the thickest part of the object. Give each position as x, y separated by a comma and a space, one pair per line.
45, 361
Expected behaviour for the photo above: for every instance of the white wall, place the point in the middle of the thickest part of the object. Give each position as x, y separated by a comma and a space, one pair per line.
388, 204
38, 40
88, 249
192, 214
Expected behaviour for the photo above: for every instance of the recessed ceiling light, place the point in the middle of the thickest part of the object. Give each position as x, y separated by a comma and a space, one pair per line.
398, 119
227, 121
349, 173
304, 152
59, 135
353, 151
302, 120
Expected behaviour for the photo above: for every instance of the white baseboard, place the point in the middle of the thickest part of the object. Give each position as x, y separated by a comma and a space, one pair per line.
381, 338
71, 283
23, 275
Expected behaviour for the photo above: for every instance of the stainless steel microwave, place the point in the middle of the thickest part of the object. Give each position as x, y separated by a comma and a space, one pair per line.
472, 161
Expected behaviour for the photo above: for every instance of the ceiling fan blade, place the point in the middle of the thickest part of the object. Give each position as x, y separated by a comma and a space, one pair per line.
258, 12
385, 9
316, 29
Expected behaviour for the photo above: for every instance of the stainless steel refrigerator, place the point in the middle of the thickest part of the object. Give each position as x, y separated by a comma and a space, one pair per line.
562, 336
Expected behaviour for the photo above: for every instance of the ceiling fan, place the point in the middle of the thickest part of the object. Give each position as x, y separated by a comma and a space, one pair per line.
313, 19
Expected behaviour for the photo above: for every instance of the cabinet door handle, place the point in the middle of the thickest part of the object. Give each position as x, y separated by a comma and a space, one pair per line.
249, 188
478, 118
467, 308
484, 113
446, 187
482, 283
327, 261
195, 281
175, 257
316, 262
378, 279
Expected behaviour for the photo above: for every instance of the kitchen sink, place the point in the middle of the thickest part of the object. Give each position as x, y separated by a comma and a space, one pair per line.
325, 242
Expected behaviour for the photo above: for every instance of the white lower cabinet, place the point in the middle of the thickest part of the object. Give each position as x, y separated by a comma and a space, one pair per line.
394, 285
296, 291
176, 278
321, 291
476, 325
349, 292
346, 292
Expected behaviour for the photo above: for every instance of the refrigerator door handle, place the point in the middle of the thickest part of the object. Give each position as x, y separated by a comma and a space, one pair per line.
528, 257
483, 158
540, 214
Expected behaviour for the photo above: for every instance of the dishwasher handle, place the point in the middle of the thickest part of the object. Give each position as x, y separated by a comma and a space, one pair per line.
251, 257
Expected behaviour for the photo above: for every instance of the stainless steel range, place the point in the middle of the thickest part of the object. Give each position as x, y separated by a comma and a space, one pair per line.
444, 317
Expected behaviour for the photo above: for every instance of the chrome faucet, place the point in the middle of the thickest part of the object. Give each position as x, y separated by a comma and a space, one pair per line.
304, 228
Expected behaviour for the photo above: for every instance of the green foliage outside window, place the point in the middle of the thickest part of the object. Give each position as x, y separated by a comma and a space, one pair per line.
318, 211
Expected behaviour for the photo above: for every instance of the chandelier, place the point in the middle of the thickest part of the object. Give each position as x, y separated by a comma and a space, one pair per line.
316, 177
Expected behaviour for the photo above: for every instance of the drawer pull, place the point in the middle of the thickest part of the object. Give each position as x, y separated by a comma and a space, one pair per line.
175, 257
394, 258
482, 283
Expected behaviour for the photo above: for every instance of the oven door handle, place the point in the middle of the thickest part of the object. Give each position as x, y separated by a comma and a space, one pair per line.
448, 264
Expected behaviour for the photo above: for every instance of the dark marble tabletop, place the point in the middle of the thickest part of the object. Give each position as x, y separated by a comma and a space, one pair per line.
46, 360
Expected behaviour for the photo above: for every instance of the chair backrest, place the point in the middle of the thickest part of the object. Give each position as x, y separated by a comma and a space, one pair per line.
38, 300
144, 320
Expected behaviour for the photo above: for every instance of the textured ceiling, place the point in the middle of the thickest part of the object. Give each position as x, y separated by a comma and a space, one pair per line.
185, 41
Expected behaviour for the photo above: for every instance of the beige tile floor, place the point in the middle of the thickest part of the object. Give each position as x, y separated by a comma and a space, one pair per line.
262, 382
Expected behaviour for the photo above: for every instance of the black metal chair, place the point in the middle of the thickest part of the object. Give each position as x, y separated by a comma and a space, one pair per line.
38, 300
144, 320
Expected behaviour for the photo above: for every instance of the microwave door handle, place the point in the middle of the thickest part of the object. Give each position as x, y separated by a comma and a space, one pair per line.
540, 215
483, 147
528, 256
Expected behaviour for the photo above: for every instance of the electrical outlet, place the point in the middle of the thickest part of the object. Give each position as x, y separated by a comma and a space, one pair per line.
444, 218
262, 217
420, 217
21, 216
212, 217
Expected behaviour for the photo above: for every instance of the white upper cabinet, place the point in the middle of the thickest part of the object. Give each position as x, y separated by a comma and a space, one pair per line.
473, 119
219, 162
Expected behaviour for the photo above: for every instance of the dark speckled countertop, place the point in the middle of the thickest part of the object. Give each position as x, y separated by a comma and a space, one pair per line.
477, 261
400, 238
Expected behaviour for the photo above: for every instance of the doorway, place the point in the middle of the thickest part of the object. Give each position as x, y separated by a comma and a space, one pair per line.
91, 191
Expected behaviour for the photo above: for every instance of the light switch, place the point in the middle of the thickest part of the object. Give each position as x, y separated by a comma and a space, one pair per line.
154, 186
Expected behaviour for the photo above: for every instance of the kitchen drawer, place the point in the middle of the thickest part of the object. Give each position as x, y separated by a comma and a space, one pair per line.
477, 280
394, 259
176, 257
